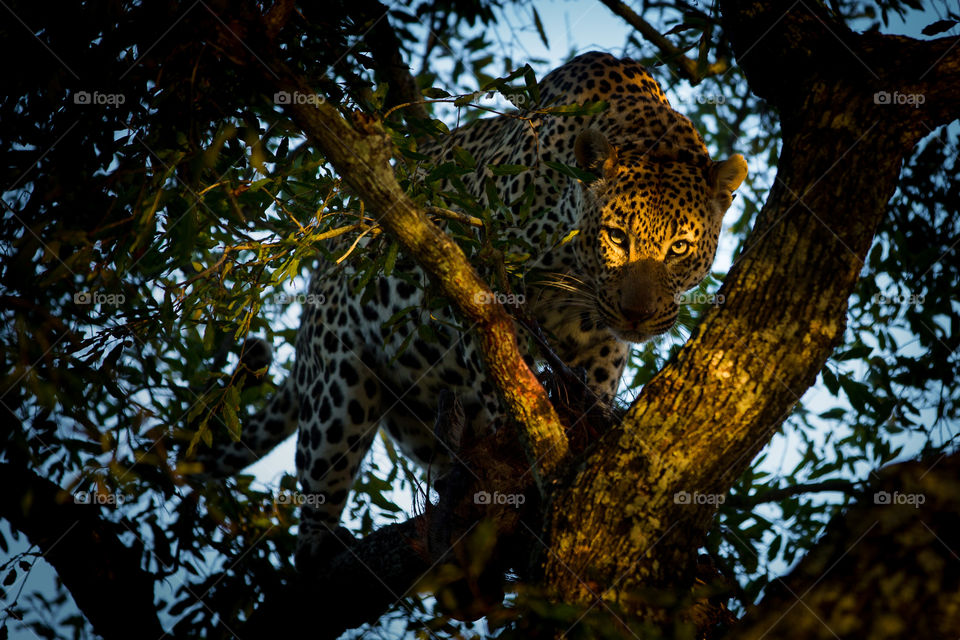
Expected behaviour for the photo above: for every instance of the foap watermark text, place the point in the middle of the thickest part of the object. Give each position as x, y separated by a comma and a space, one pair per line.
909, 99
305, 299
897, 498
301, 499
512, 499
699, 297
506, 299
95, 297
297, 97
101, 499
685, 497
98, 98
903, 299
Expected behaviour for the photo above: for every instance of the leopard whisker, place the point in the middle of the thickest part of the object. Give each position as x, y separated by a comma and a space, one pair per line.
555, 278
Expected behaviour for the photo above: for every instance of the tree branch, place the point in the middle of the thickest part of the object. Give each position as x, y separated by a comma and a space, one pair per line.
779, 493
886, 567
697, 425
388, 60
687, 67
462, 218
810, 38
361, 153
355, 587
372, 574
101, 572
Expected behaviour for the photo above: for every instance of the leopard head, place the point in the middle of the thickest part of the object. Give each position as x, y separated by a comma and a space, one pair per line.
648, 232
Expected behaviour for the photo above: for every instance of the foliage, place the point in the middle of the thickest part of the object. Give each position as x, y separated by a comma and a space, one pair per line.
159, 208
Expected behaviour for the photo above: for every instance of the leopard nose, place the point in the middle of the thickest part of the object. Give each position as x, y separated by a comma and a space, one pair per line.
637, 308
640, 290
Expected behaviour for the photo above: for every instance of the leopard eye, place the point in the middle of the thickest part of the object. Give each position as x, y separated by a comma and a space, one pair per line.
618, 237
680, 248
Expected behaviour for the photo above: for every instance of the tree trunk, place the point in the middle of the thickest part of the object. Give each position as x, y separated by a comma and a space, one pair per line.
888, 568
624, 521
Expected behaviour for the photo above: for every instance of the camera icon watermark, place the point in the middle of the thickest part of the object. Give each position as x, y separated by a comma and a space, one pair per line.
511, 499
99, 98
297, 97
896, 98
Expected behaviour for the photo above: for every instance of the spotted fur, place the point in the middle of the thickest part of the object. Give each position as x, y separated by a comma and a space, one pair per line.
647, 231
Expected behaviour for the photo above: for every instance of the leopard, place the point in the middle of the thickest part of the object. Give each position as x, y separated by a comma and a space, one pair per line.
611, 249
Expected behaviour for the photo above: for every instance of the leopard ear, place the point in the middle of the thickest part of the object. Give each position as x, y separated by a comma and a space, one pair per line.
595, 153
726, 176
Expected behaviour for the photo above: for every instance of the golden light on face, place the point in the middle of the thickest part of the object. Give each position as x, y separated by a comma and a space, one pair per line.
655, 237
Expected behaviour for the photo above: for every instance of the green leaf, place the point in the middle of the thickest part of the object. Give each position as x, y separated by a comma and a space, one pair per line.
507, 169
857, 392
110, 362
395, 318
774, 548
830, 380
231, 402
427, 334
532, 87
464, 157
380, 501
391, 260
464, 100
445, 171
539, 25
858, 351
834, 414
585, 109
938, 27
208, 334
571, 172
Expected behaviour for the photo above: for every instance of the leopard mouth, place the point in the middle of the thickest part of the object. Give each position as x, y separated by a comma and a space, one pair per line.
639, 331
630, 334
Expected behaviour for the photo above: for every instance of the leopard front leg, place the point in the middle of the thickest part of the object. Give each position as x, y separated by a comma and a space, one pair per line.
339, 418
602, 358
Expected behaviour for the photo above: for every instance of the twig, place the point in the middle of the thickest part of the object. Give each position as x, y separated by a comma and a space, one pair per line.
455, 215
687, 67
779, 493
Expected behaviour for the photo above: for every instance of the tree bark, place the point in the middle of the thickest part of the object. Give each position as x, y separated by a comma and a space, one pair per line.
887, 568
688, 68
388, 59
102, 572
696, 426
616, 526
361, 153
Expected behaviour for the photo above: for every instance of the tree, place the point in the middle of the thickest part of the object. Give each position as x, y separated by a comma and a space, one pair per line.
136, 254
